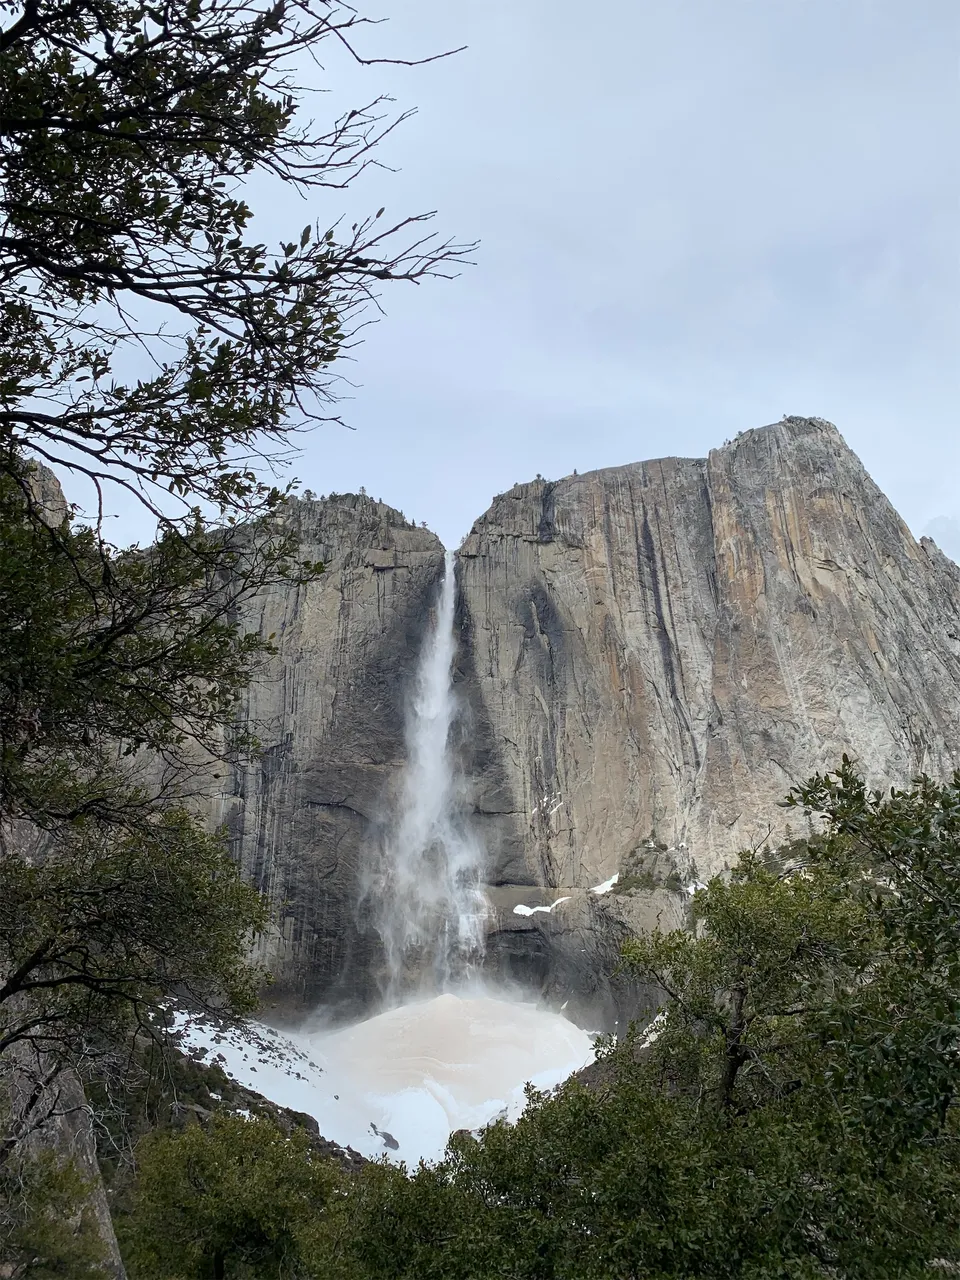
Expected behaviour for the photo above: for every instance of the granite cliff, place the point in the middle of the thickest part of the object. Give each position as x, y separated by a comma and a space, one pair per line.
329, 711
650, 655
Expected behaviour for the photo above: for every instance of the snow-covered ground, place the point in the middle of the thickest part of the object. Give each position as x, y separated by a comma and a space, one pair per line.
399, 1083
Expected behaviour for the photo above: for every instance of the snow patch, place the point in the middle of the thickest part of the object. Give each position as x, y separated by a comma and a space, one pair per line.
521, 910
607, 884
398, 1084
654, 1028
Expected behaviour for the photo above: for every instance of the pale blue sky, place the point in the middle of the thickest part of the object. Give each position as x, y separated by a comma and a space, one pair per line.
695, 216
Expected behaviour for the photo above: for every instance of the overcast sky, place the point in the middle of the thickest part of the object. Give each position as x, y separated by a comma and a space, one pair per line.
695, 216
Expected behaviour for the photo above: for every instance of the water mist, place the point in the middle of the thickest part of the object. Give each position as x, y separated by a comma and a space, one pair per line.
429, 897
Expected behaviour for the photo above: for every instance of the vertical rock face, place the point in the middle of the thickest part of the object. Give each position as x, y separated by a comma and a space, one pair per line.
657, 652
650, 656
329, 711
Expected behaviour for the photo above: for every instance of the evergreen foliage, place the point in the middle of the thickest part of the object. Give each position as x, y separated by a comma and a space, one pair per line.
116, 670
106, 927
105, 655
243, 1198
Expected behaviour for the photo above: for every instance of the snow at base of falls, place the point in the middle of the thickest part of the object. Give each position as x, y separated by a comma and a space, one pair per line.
399, 1083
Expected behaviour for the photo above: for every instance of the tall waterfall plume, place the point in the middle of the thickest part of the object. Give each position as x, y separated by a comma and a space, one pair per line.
429, 891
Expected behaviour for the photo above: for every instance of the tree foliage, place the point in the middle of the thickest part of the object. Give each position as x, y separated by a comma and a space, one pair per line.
128, 130
47, 1230
106, 655
117, 670
99, 934
243, 1198
896, 1037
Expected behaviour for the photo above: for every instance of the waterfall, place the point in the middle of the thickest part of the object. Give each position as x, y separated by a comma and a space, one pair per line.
455, 1055
429, 886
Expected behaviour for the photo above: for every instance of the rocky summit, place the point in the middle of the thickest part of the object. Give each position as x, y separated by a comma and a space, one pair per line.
649, 657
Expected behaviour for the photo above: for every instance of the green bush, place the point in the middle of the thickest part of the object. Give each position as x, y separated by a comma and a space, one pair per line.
47, 1227
241, 1198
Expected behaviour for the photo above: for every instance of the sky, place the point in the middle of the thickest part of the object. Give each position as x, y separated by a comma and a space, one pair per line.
694, 217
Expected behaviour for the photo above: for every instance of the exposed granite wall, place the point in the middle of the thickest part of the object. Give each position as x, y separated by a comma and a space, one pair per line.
655, 653
329, 710
650, 655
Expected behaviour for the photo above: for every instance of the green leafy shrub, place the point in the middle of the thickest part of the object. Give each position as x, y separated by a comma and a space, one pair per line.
241, 1197
47, 1227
